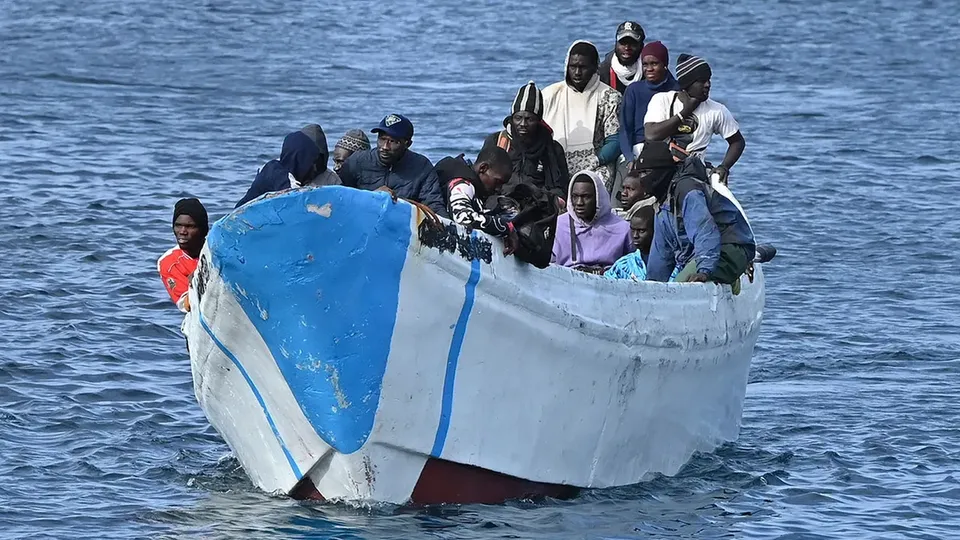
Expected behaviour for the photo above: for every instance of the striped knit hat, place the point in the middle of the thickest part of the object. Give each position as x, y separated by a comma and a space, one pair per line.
691, 69
528, 99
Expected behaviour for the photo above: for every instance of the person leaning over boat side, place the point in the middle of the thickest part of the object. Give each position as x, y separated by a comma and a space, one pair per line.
303, 162
634, 265
583, 113
589, 236
621, 67
697, 229
354, 140
391, 166
689, 118
468, 185
538, 160
190, 227
656, 78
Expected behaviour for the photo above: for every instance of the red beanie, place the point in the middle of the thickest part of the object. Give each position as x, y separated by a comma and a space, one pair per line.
656, 49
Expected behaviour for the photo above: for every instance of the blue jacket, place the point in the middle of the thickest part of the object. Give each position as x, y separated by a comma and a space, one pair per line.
410, 178
708, 221
634, 108
297, 157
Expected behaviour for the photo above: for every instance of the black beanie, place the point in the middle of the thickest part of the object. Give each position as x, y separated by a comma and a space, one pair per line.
193, 208
691, 69
528, 99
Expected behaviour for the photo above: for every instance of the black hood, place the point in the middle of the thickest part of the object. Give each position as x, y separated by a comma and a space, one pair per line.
315, 133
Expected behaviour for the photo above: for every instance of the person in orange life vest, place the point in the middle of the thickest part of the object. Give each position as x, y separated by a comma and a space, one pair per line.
190, 227
622, 67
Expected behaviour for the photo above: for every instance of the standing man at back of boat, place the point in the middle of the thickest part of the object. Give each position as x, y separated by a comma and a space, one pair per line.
303, 162
697, 229
689, 118
656, 78
538, 160
175, 267
584, 114
393, 167
621, 67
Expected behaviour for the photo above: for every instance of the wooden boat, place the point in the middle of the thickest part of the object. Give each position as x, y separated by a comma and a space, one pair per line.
347, 349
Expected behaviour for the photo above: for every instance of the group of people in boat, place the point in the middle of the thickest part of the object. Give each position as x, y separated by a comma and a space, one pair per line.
623, 129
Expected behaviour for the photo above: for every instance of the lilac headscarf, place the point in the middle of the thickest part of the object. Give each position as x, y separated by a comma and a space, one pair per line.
600, 242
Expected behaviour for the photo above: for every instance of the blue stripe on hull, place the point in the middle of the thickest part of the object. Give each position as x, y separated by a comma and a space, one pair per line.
453, 357
256, 393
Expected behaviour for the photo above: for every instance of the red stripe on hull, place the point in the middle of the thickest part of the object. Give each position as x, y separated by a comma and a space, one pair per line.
448, 482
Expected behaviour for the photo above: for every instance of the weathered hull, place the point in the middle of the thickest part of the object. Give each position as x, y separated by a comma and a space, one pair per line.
344, 354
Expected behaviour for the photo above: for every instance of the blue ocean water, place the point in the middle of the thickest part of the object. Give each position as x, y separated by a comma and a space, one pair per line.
111, 111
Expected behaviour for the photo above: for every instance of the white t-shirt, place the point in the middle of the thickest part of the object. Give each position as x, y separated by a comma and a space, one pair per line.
709, 118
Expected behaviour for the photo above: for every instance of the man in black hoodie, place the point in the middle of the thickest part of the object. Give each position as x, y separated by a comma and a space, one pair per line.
467, 186
303, 162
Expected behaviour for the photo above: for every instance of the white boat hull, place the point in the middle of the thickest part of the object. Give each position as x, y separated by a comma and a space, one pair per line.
351, 359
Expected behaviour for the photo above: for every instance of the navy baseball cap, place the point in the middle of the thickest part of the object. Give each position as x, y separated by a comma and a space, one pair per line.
396, 126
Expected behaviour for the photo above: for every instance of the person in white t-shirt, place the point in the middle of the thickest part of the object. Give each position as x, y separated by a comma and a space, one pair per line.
689, 118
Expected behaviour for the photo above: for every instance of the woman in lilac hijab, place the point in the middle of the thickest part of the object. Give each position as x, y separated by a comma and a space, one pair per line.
589, 236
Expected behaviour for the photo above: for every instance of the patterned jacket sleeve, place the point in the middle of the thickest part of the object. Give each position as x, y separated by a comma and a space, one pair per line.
464, 212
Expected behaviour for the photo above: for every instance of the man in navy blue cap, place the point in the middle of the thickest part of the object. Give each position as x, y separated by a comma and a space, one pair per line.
393, 167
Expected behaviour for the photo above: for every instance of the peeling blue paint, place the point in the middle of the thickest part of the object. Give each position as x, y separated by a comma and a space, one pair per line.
299, 278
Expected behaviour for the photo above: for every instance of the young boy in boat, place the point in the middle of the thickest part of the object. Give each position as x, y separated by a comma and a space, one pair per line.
689, 118
178, 263
391, 166
589, 236
469, 185
696, 229
621, 67
634, 265
303, 161
354, 140
537, 159
633, 197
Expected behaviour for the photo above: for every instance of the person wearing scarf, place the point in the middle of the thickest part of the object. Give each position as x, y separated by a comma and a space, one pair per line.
538, 160
589, 236
584, 114
190, 227
303, 161
352, 141
621, 67
656, 78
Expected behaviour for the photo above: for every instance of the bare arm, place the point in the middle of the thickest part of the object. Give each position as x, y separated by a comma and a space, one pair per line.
734, 150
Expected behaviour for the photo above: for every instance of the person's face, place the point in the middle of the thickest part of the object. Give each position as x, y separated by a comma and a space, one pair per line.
628, 50
700, 90
339, 156
389, 149
583, 195
492, 178
580, 69
632, 191
641, 229
653, 69
187, 232
524, 123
